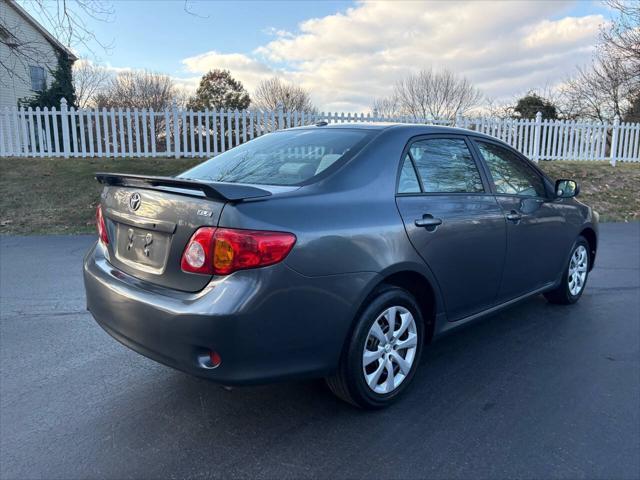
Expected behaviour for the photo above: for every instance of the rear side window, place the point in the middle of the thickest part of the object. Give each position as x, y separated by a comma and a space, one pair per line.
511, 175
408, 179
445, 165
288, 157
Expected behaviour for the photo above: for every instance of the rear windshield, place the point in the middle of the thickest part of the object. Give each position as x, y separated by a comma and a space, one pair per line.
288, 157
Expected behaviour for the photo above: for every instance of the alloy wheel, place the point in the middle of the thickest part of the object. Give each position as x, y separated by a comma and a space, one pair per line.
389, 350
578, 266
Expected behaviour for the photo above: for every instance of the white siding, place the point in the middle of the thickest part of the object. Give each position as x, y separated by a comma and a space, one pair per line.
16, 83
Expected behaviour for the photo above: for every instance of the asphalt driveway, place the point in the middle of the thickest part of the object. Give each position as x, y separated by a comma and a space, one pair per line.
538, 391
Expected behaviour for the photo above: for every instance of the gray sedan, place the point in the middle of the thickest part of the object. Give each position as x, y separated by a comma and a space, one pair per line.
335, 251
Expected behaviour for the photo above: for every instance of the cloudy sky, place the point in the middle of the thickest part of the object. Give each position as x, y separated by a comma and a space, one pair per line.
347, 53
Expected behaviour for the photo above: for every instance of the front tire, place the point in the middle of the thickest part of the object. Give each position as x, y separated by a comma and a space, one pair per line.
383, 352
574, 279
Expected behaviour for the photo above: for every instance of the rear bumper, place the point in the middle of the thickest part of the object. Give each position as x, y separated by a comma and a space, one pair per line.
267, 324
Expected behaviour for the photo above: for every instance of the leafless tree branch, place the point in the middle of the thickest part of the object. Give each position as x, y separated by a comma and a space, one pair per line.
273, 92
137, 89
187, 8
68, 20
622, 38
605, 88
19, 53
64, 19
432, 94
89, 80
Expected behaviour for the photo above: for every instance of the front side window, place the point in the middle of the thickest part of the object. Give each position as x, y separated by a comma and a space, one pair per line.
511, 175
445, 165
37, 78
288, 157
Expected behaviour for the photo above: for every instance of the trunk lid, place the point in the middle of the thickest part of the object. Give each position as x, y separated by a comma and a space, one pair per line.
151, 219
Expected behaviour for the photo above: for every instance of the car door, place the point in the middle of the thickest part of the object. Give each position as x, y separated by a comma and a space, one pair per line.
536, 233
453, 221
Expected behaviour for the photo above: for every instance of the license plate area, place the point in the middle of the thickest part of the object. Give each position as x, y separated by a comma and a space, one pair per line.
141, 248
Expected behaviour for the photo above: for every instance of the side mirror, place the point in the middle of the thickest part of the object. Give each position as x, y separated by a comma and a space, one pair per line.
566, 188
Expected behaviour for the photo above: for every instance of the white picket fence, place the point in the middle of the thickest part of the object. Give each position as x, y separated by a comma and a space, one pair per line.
67, 132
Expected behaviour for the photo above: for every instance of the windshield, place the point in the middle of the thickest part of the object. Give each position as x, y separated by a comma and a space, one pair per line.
288, 157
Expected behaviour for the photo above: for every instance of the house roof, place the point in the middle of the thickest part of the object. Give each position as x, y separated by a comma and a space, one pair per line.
45, 33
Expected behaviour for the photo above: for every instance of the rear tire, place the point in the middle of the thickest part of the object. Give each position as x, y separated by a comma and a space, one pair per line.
378, 366
574, 278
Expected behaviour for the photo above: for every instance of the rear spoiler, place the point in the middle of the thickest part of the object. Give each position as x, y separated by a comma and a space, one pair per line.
230, 192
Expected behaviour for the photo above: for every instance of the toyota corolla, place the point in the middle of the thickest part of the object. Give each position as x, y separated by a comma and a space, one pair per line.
331, 251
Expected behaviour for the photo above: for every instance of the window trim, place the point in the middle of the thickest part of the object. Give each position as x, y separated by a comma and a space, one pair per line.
487, 187
524, 160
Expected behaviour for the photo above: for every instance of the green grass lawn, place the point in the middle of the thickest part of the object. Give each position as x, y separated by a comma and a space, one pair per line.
45, 195
40, 195
614, 192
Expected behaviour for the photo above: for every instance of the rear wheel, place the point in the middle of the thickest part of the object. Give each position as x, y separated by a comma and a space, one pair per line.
383, 352
575, 276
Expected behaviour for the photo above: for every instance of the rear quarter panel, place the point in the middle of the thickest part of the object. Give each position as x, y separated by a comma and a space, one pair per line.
346, 223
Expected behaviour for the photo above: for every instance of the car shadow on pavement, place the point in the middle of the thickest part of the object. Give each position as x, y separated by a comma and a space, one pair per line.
462, 361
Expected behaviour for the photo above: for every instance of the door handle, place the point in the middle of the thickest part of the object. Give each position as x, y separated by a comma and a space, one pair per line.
513, 216
429, 222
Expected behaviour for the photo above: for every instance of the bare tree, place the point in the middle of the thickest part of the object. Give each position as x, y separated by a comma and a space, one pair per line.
622, 38
434, 94
89, 80
600, 91
273, 92
501, 109
386, 107
137, 89
606, 88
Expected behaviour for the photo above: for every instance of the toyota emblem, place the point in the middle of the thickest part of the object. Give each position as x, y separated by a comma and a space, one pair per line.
134, 201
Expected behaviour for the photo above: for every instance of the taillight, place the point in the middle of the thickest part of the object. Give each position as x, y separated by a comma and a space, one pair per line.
239, 249
197, 256
101, 225
221, 251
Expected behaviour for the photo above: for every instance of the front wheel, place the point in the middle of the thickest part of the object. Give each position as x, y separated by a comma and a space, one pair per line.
383, 351
575, 276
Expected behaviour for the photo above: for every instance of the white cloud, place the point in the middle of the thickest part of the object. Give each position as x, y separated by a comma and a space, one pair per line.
248, 70
349, 58
567, 31
107, 67
275, 32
